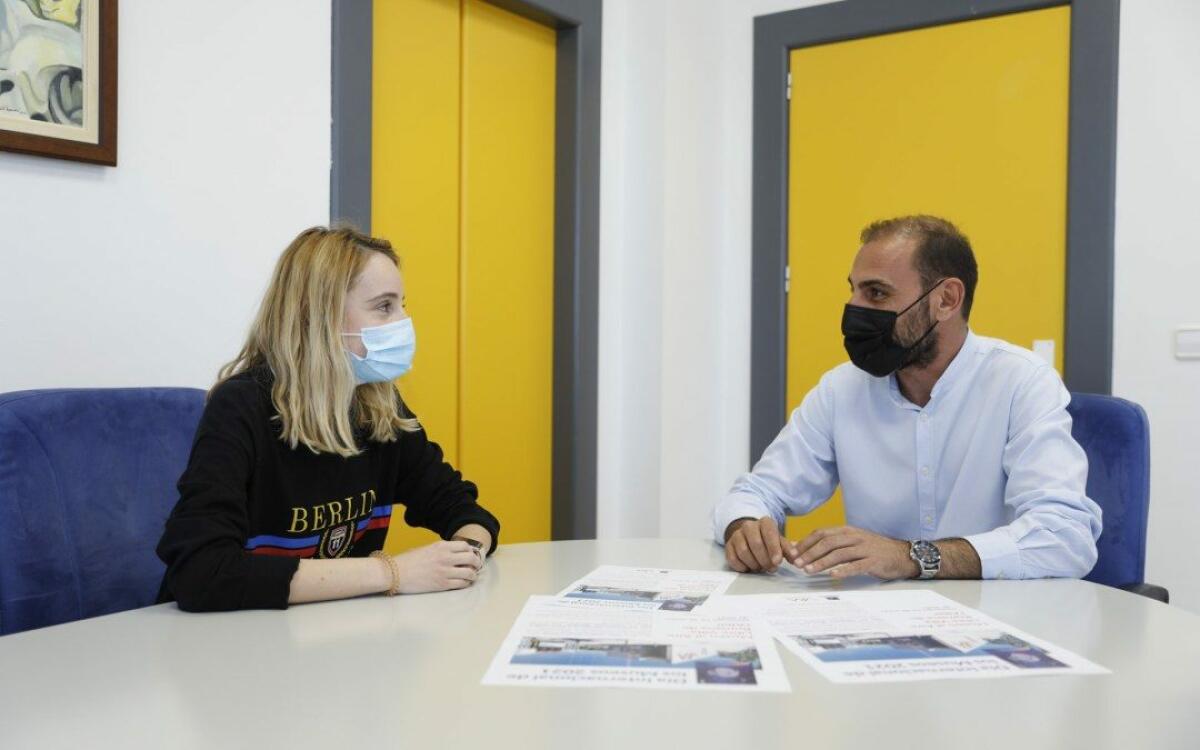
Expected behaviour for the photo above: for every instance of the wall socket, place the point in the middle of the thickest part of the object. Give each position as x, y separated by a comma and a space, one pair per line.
1187, 343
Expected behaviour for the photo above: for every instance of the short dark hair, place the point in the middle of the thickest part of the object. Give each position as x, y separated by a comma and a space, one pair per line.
942, 251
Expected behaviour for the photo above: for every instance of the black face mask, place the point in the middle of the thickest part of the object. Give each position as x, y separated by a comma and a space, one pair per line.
870, 338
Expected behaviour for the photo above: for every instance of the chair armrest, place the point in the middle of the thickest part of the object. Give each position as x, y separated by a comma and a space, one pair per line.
1158, 593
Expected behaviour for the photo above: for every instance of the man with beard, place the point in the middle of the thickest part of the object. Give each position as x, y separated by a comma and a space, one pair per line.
953, 451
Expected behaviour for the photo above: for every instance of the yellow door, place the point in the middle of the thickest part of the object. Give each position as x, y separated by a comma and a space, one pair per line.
507, 324
463, 186
967, 121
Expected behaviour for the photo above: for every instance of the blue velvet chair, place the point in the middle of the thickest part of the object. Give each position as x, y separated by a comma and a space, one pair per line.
1115, 434
87, 478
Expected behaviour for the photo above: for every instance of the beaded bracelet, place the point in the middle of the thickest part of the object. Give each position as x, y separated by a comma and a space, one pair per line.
390, 562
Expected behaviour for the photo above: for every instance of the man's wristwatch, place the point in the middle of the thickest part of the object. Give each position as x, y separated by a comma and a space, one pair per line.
927, 557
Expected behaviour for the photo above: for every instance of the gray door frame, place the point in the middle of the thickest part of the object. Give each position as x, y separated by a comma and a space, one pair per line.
1091, 179
576, 220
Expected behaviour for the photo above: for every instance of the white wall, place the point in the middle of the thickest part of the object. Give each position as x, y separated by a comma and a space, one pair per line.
1157, 264
707, 256
699, 106
149, 273
675, 227
632, 228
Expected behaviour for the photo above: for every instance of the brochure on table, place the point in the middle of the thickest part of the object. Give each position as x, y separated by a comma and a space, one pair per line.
663, 628
569, 643
889, 636
649, 588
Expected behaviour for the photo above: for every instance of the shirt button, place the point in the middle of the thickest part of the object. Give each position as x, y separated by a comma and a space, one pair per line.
924, 471
924, 417
928, 519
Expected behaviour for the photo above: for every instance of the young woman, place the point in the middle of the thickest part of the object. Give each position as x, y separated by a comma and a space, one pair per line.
305, 447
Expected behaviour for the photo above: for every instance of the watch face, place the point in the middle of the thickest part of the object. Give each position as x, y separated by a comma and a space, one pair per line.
927, 553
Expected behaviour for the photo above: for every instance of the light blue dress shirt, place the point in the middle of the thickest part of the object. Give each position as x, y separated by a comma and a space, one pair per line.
990, 459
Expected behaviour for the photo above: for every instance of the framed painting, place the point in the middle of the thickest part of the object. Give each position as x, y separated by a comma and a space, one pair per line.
58, 79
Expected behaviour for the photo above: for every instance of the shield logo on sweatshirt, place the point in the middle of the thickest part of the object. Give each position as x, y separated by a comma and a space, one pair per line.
335, 542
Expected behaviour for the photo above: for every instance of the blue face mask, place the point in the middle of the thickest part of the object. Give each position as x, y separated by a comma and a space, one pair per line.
390, 350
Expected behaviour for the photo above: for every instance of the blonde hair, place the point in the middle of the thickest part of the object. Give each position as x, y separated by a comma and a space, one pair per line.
297, 334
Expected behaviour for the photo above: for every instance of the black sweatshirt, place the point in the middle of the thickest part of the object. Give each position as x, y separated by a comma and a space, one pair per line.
250, 507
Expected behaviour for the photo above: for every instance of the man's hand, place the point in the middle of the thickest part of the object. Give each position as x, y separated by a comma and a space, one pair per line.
848, 551
754, 546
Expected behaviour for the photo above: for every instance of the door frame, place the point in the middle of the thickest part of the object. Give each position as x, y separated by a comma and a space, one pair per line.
1091, 177
576, 219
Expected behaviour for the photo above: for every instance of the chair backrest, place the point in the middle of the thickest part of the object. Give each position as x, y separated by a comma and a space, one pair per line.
1116, 436
87, 479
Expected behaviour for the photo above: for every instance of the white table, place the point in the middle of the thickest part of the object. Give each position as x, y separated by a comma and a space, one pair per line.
404, 672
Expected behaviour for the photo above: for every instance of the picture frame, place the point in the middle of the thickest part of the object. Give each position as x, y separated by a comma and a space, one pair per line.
58, 79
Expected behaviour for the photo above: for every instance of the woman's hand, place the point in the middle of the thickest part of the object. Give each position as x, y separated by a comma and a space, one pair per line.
437, 567
478, 537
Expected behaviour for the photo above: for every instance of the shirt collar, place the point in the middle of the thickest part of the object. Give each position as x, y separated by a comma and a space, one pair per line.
958, 366
954, 372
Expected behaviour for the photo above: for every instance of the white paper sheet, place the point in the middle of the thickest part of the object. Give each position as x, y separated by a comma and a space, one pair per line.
568, 643
890, 636
614, 586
